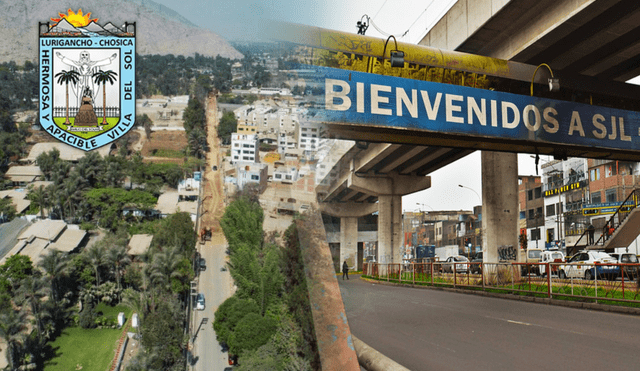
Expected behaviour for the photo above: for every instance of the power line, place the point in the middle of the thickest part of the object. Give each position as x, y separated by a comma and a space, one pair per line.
383, 4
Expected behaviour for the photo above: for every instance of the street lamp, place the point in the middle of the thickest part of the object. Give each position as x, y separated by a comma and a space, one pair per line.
471, 189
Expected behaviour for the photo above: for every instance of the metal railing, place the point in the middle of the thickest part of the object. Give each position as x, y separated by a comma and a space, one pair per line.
630, 203
613, 283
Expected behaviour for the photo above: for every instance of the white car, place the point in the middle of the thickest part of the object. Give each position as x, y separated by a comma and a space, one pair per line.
582, 265
460, 265
200, 301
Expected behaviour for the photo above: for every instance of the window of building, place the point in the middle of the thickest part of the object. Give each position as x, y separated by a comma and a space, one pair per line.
596, 197
551, 210
594, 174
530, 195
610, 170
303, 129
287, 177
538, 192
539, 212
532, 214
255, 177
611, 195
523, 214
535, 234
278, 176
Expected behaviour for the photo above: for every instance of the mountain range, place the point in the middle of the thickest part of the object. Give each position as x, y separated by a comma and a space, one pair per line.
159, 30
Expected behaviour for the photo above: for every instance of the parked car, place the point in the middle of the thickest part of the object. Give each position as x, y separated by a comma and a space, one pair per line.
203, 264
530, 256
200, 301
551, 256
457, 261
582, 265
631, 272
477, 267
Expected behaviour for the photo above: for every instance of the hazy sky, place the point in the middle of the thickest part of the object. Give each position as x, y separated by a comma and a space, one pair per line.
235, 20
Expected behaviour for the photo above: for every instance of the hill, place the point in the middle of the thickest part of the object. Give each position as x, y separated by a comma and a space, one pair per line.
160, 30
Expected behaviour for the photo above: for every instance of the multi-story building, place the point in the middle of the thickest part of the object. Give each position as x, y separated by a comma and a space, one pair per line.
250, 172
244, 147
531, 204
565, 189
610, 182
308, 136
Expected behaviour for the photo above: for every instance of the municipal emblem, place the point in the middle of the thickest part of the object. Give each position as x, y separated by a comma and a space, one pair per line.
87, 79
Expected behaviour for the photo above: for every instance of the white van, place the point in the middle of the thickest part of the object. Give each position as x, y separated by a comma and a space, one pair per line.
551, 256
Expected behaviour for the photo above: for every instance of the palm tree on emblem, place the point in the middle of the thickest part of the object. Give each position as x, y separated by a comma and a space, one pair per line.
101, 77
65, 77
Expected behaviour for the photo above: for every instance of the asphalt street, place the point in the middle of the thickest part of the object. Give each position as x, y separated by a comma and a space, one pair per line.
217, 287
427, 329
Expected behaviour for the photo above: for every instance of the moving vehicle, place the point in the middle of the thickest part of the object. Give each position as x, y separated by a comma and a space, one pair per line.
200, 301
585, 265
457, 261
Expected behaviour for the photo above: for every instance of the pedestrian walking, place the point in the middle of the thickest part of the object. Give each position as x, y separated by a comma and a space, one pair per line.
345, 270
591, 231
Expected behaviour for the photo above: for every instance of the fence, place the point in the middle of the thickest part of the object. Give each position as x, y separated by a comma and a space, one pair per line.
73, 111
611, 283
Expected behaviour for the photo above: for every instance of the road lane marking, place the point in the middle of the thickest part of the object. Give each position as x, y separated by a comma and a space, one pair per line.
535, 325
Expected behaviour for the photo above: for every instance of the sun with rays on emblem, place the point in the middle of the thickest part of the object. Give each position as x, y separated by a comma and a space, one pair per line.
77, 19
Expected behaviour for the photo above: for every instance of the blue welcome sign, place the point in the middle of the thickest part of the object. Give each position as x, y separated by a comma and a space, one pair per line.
384, 101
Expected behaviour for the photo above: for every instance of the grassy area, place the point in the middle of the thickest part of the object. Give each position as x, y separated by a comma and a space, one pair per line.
165, 152
92, 349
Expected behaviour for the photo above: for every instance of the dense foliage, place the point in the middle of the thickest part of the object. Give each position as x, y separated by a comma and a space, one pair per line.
172, 75
228, 125
265, 320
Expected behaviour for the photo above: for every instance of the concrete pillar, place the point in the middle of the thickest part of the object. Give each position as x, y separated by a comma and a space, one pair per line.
348, 212
499, 204
349, 241
389, 190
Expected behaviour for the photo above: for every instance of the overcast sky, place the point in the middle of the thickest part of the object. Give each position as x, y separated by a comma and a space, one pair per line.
235, 20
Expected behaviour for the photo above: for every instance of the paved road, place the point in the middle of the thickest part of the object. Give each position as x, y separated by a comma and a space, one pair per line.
438, 330
217, 287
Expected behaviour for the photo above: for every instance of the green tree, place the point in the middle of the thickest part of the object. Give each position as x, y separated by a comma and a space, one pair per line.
242, 224
39, 197
228, 124
56, 266
162, 332
176, 230
119, 259
13, 330
16, 268
47, 162
102, 77
32, 291
251, 332
145, 121
66, 77
96, 256
197, 142
229, 313
194, 115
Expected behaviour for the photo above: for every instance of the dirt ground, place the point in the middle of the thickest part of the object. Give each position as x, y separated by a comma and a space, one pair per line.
163, 139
